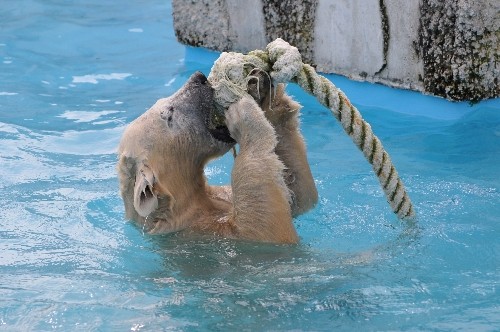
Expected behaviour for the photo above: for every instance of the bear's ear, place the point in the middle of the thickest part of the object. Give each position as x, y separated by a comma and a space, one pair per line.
145, 200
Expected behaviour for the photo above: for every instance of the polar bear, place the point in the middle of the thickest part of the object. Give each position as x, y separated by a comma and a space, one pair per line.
162, 155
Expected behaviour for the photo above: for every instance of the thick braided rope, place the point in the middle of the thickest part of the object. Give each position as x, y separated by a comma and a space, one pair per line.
229, 78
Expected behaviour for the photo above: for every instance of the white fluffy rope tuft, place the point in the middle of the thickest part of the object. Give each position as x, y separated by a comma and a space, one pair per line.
231, 73
286, 60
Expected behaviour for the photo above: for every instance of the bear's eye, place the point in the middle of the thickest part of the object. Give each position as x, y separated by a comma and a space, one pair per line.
167, 115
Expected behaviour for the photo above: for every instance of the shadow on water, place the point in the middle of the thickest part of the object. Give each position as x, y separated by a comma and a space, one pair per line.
236, 281
201, 257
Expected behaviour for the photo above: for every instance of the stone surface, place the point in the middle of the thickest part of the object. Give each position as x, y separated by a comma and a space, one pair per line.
293, 21
348, 38
460, 50
202, 23
247, 25
404, 63
448, 48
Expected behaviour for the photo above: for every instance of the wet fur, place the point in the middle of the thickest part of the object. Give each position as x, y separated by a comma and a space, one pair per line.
162, 155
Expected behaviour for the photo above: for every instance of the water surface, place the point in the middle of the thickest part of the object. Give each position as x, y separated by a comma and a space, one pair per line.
72, 75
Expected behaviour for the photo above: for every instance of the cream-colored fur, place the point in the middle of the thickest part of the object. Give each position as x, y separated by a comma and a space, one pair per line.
162, 155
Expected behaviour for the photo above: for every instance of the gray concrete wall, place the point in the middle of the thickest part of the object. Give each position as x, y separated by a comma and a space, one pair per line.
447, 48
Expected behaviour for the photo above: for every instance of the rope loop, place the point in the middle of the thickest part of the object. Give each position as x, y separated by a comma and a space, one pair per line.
231, 73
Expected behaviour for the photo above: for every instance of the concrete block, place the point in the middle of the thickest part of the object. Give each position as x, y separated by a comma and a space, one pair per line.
448, 48
348, 38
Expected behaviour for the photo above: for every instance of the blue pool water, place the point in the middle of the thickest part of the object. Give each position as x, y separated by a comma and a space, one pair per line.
73, 74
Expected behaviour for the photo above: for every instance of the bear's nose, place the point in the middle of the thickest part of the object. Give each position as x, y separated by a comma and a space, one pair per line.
198, 78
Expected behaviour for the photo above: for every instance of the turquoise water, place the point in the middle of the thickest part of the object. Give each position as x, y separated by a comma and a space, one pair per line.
73, 75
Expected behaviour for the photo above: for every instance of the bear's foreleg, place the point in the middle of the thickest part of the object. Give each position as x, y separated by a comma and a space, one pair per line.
291, 149
261, 199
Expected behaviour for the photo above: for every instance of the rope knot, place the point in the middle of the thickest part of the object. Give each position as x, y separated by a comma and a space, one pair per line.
286, 60
230, 75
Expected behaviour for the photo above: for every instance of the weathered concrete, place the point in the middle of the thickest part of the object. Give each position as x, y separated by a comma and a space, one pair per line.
404, 63
348, 39
222, 25
447, 48
293, 21
203, 23
247, 25
460, 48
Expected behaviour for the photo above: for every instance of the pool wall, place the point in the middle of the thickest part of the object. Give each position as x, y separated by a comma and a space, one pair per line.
446, 48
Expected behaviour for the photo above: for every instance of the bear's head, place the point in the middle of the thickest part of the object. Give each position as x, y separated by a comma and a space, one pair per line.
163, 152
